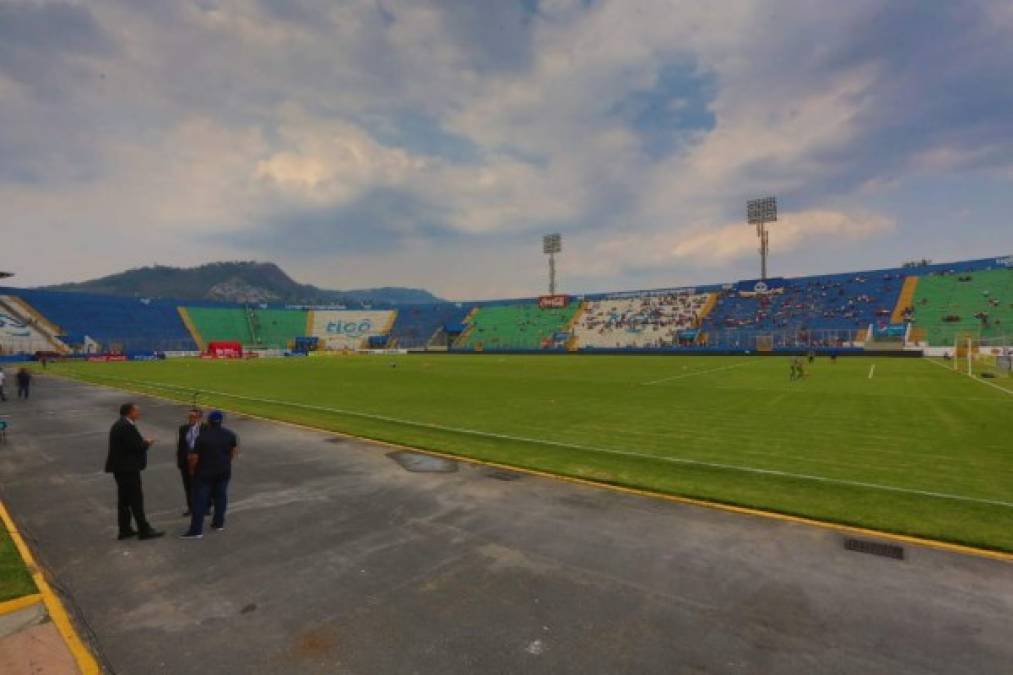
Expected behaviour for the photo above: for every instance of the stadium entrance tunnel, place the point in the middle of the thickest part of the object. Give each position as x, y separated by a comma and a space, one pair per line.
418, 463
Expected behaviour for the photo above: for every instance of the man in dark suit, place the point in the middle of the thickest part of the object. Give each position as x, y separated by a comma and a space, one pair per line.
128, 457
185, 444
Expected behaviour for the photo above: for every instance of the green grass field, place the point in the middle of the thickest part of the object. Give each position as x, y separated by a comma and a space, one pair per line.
902, 445
15, 580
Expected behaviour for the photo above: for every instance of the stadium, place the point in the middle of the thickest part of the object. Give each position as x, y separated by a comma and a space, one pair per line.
640, 337
896, 424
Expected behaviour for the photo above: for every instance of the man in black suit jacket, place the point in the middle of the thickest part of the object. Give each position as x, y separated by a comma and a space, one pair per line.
128, 456
185, 444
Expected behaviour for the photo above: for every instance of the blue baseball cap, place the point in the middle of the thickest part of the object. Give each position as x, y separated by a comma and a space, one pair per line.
216, 416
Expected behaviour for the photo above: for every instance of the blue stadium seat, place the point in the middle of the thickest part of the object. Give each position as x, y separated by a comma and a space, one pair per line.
132, 324
416, 324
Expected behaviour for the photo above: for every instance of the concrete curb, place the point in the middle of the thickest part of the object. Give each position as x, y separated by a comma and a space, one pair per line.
85, 660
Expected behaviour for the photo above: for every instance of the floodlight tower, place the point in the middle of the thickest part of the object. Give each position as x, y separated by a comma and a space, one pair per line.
551, 245
759, 212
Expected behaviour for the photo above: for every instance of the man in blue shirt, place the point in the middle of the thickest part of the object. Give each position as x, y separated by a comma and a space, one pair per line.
211, 465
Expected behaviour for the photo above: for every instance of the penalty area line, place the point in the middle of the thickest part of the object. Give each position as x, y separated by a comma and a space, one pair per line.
872, 370
695, 372
583, 448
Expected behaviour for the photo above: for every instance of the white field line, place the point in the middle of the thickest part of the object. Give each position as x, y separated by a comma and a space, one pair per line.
695, 372
583, 448
975, 379
805, 392
872, 370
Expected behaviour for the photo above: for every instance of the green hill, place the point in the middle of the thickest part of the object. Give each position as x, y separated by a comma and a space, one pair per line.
240, 281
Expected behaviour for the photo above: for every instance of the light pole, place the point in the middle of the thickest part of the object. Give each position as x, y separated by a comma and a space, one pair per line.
759, 212
551, 245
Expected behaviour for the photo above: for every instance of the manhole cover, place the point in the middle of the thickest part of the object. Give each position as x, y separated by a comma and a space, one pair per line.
416, 463
874, 548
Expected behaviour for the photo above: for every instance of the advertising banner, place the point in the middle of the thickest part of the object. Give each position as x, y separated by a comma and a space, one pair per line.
349, 329
760, 286
553, 301
225, 350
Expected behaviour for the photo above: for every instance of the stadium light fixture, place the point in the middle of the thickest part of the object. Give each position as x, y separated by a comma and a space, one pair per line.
759, 212
551, 245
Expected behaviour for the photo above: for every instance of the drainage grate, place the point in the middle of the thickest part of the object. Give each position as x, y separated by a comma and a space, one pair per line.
337, 440
503, 475
874, 548
418, 463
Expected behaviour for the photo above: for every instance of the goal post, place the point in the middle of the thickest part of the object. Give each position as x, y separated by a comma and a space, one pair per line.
990, 357
962, 343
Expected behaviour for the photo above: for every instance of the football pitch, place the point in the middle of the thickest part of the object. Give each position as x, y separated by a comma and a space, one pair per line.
903, 445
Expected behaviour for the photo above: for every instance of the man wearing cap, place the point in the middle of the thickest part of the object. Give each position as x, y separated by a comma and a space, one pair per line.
211, 466
186, 443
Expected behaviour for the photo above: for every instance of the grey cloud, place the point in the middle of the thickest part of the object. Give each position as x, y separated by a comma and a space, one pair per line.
48, 50
942, 81
496, 35
379, 219
38, 43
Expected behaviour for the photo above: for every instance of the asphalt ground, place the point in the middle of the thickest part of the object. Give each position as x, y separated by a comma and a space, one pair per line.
337, 559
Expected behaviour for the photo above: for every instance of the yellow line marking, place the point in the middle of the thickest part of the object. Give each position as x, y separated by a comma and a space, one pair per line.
693, 501
905, 299
184, 315
8, 606
57, 613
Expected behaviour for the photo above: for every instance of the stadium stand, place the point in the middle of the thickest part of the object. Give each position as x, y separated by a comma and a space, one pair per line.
421, 325
348, 329
22, 331
921, 303
277, 328
902, 310
221, 324
977, 303
638, 322
516, 326
115, 323
253, 327
839, 302
187, 320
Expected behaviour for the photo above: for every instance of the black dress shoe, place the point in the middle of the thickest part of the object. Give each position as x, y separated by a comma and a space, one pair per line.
127, 535
150, 534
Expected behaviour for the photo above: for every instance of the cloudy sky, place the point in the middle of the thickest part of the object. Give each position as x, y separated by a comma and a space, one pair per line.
432, 142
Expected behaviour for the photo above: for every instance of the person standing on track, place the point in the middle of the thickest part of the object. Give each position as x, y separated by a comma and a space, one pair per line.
128, 457
24, 379
185, 444
211, 463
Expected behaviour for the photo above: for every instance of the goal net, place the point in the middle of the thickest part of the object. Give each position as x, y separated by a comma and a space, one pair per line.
984, 357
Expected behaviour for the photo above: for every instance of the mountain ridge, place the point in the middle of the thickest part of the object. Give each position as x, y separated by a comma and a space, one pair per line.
236, 281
